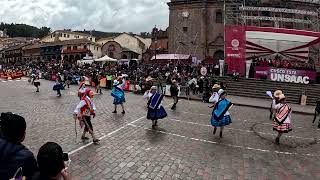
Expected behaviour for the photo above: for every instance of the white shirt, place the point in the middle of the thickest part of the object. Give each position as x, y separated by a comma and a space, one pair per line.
83, 103
148, 95
214, 98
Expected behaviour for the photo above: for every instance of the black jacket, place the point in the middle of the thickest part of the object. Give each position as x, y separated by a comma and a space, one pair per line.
174, 90
14, 156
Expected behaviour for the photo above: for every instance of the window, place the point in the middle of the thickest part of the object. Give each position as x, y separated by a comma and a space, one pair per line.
75, 47
90, 39
111, 54
68, 36
69, 48
218, 17
64, 35
51, 35
111, 48
85, 46
185, 29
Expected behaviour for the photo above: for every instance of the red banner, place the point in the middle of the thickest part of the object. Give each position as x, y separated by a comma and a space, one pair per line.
235, 43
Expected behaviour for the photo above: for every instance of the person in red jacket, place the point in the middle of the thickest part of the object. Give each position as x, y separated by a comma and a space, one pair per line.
83, 112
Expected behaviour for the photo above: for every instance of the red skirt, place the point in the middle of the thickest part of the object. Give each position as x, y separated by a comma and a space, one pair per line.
283, 128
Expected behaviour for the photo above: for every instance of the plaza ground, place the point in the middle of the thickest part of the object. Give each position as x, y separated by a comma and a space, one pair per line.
182, 147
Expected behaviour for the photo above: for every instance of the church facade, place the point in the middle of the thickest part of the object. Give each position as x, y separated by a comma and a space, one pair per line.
196, 28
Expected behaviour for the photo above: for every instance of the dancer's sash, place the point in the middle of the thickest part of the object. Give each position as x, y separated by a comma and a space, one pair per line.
282, 113
155, 101
117, 93
221, 108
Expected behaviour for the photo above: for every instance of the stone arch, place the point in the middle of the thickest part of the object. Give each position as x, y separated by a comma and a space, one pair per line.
77, 57
124, 56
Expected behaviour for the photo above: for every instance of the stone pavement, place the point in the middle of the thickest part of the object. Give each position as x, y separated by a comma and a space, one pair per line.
182, 147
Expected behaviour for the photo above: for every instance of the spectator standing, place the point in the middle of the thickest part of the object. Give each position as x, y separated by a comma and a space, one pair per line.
51, 162
174, 91
14, 155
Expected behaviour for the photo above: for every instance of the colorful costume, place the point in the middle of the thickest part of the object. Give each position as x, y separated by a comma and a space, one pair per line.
282, 119
118, 93
84, 110
82, 90
155, 109
220, 115
214, 98
36, 82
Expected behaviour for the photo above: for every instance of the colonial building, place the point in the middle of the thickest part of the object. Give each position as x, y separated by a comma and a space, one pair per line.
31, 52
160, 41
77, 49
13, 54
63, 35
125, 46
6, 42
196, 27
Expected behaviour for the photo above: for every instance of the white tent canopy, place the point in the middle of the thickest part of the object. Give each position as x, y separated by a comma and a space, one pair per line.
106, 59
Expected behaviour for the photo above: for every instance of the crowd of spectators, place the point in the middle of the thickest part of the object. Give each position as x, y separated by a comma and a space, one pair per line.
283, 63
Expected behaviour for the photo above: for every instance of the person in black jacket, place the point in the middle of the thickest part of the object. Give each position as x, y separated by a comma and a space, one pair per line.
174, 94
51, 160
14, 155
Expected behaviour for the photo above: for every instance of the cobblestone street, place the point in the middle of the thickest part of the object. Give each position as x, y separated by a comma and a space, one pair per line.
182, 147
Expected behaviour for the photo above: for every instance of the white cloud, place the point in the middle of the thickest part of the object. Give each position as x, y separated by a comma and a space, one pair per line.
104, 15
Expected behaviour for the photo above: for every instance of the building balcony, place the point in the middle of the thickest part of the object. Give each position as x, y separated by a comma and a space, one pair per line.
75, 51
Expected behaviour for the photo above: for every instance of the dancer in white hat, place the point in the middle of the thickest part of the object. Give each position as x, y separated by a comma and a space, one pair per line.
155, 109
118, 94
220, 114
282, 120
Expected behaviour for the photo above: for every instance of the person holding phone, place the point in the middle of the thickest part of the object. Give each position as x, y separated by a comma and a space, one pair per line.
52, 163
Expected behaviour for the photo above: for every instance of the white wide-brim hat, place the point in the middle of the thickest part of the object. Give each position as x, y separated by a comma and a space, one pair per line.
115, 82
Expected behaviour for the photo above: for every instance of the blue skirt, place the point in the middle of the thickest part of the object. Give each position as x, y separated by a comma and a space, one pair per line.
156, 114
117, 101
58, 87
226, 120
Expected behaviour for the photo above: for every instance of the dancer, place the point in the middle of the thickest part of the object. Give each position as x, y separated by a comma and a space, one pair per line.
58, 86
82, 89
215, 96
282, 119
36, 82
220, 115
118, 94
275, 96
155, 109
174, 91
83, 112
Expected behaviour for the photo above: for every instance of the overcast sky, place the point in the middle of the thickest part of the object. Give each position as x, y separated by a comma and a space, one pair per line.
103, 15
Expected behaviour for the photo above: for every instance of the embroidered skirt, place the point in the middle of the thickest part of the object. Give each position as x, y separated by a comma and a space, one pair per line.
156, 114
226, 120
117, 101
283, 128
